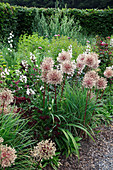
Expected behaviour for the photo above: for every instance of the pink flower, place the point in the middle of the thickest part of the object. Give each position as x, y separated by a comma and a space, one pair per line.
39, 47
88, 82
64, 56
68, 67
7, 156
108, 37
54, 77
101, 83
108, 72
58, 35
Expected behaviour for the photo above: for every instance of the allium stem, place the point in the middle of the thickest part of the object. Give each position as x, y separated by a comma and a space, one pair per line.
48, 94
97, 95
102, 94
55, 98
44, 94
85, 108
63, 85
38, 164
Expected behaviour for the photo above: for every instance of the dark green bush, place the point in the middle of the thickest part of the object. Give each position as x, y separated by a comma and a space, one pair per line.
22, 20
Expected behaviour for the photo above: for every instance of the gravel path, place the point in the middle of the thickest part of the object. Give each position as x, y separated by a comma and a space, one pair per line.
96, 155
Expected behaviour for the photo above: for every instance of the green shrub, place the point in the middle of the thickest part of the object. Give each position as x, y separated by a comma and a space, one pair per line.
51, 48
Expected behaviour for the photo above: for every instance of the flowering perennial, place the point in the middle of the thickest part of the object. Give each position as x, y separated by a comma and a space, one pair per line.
7, 155
6, 96
44, 150
54, 77
108, 73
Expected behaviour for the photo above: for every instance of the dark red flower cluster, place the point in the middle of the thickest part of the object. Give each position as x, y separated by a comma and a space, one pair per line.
19, 100
45, 117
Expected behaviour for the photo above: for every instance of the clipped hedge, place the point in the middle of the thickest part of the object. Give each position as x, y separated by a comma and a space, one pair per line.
20, 20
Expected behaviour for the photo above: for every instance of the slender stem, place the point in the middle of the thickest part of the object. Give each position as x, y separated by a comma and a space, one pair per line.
97, 95
48, 94
44, 94
102, 94
63, 85
55, 98
86, 108
38, 164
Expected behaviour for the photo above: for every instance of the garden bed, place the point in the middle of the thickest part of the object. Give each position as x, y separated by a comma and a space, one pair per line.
93, 155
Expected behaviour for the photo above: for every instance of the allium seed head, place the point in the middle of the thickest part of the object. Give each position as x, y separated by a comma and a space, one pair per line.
54, 77
44, 150
6, 96
88, 82
101, 83
7, 156
92, 74
68, 67
81, 58
108, 72
64, 56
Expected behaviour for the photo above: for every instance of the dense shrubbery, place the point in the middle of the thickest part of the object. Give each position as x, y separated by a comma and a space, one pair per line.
82, 4
23, 20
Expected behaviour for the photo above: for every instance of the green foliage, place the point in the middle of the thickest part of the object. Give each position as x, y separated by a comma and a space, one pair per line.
14, 133
51, 48
61, 3
23, 20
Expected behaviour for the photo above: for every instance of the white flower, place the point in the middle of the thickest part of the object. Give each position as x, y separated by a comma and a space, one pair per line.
3, 75
18, 72
29, 91
23, 78
7, 71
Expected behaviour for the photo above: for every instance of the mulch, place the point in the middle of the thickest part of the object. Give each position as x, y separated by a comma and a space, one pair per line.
96, 155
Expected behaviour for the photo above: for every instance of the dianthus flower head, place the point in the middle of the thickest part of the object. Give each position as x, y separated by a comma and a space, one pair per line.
63, 56
68, 67
108, 72
88, 82
101, 83
47, 64
92, 74
54, 77
7, 156
44, 150
6, 96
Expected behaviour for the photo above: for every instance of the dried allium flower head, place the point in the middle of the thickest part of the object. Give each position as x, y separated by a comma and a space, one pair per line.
1, 140
92, 74
54, 77
108, 72
64, 56
44, 76
91, 60
81, 58
6, 96
7, 156
44, 150
80, 65
101, 83
68, 67
88, 82
47, 64
8, 109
